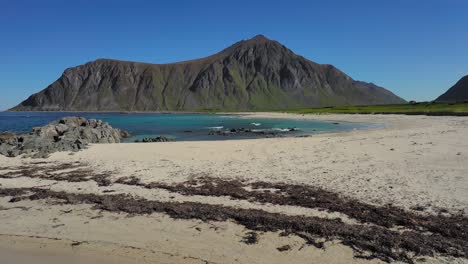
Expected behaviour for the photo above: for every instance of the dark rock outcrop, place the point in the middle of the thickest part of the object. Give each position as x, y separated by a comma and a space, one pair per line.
457, 93
155, 139
256, 132
254, 74
65, 134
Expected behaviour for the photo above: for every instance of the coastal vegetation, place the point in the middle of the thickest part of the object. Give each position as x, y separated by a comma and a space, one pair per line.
413, 108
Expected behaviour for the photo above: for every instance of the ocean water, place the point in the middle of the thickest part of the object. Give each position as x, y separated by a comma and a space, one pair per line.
177, 126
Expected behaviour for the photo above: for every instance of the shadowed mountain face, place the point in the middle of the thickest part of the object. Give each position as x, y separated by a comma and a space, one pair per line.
255, 74
457, 93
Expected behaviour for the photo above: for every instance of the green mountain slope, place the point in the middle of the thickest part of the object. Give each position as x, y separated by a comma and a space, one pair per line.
254, 74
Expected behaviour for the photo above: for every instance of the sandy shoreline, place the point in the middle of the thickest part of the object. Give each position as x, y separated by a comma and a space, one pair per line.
414, 162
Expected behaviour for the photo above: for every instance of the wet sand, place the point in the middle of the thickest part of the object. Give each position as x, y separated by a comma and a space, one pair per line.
54, 256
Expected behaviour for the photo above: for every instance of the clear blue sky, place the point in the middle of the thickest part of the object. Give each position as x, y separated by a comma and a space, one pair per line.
416, 48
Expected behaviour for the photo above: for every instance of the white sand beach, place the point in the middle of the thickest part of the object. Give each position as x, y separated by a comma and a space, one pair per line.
410, 162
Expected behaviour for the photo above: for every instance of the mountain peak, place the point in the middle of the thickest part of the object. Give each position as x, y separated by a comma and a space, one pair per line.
248, 43
259, 39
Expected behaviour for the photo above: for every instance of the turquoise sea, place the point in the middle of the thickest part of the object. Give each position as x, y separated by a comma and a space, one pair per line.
181, 127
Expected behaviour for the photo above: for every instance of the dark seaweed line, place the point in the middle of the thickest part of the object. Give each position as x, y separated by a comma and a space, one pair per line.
455, 226
368, 241
78, 174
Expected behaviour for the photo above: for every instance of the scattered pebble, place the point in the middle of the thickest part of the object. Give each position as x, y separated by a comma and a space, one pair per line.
284, 248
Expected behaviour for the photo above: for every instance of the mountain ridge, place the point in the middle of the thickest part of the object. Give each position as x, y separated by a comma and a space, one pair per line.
253, 74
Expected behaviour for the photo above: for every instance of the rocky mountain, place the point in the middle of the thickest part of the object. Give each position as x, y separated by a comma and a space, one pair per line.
457, 93
254, 74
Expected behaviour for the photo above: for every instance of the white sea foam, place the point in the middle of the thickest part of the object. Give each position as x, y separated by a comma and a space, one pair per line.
271, 129
216, 127
256, 124
280, 129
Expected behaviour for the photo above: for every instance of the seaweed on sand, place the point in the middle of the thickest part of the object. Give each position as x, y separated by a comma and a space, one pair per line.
368, 241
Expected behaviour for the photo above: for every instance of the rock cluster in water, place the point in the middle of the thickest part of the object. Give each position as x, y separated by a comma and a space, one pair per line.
156, 139
244, 131
65, 134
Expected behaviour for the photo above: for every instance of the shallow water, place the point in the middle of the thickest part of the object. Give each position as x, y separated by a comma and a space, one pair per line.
181, 127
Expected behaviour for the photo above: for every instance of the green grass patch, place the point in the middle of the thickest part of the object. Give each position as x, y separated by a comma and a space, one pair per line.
422, 108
